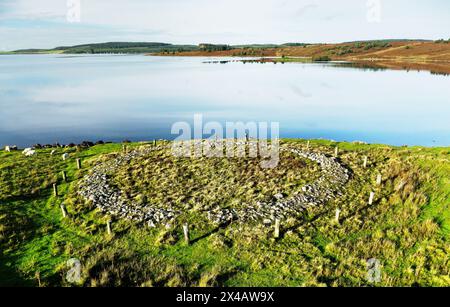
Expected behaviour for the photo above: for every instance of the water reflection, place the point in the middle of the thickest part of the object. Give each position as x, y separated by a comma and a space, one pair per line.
48, 99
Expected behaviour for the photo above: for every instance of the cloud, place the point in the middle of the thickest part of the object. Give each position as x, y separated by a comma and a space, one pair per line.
218, 21
48, 10
305, 9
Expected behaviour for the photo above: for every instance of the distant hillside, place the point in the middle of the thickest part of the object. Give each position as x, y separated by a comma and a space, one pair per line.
114, 47
433, 56
379, 50
391, 40
143, 48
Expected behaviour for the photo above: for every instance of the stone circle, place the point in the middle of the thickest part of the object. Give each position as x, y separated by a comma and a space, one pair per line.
95, 187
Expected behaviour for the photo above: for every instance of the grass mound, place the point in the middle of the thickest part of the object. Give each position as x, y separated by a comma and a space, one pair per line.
203, 183
406, 228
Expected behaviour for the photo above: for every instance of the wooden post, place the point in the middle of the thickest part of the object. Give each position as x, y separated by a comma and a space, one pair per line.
108, 227
307, 145
78, 163
63, 210
371, 197
186, 233
155, 143
55, 190
336, 151
277, 228
338, 213
64, 176
365, 162
379, 179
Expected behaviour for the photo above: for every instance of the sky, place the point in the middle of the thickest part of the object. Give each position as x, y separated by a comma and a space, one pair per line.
52, 23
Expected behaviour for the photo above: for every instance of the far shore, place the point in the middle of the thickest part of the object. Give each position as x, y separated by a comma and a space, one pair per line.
401, 55
420, 55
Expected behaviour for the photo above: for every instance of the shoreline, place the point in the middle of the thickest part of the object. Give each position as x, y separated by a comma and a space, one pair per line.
400, 55
90, 144
432, 56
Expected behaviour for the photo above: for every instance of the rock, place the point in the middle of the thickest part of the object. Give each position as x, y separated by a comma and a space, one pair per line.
86, 144
28, 152
10, 148
267, 222
278, 196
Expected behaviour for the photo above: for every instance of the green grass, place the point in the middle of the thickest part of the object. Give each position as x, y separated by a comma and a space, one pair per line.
160, 178
407, 228
291, 60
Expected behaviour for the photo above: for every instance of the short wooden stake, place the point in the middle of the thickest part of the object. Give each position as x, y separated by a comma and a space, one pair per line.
155, 142
108, 227
64, 176
277, 229
186, 233
55, 190
78, 163
307, 145
338, 213
365, 161
63, 210
371, 197
379, 179
336, 151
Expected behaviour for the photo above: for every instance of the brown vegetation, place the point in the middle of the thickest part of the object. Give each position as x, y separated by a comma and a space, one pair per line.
414, 55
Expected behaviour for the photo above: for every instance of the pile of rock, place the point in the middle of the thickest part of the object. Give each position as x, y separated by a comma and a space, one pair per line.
84, 144
28, 152
11, 148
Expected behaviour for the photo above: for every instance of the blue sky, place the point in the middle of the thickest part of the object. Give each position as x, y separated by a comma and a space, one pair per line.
44, 24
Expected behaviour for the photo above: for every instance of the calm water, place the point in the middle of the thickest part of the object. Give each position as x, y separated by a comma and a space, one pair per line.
53, 98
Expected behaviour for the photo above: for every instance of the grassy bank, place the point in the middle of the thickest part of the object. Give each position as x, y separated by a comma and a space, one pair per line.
407, 228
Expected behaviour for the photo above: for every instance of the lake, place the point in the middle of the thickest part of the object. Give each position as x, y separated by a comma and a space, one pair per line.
60, 98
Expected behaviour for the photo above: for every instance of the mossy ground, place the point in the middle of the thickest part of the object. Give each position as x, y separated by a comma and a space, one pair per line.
163, 180
407, 229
